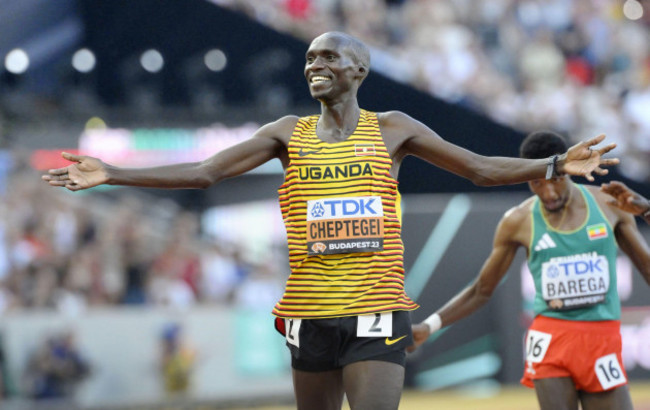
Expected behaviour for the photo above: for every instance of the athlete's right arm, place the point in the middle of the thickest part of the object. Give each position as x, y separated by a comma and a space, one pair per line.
507, 239
269, 142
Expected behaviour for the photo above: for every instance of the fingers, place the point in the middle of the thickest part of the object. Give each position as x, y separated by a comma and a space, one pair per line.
616, 189
71, 157
56, 176
71, 186
58, 171
609, 188
616, 193
609, 161
601, 171
615, 186
606, 148
589, 177
56, 183
60, 178
596, 140
619, 202
64, 170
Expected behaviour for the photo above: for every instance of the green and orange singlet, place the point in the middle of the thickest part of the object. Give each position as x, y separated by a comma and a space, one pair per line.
341, 209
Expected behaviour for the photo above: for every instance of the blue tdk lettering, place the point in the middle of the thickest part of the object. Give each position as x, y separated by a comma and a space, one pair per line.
332, 205
581, 267
367, 206
351, 206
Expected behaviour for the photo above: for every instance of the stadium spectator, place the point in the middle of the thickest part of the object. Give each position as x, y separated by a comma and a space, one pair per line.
56, 368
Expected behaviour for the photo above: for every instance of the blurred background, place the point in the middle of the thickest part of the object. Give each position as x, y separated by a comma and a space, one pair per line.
125, 298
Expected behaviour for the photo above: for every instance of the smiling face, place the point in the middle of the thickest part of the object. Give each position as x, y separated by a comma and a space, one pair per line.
335, 66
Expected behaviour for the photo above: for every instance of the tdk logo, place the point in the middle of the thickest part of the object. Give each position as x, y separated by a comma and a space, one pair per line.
576, 268
318, 210
553, 271
349, 207
368, 206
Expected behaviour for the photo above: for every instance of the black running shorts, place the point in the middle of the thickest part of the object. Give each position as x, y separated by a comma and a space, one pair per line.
328, 344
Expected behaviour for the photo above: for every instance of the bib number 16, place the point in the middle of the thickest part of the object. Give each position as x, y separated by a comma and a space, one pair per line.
609, 371
536, 345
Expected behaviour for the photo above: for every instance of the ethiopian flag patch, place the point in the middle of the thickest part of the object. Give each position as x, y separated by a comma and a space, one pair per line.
597, 231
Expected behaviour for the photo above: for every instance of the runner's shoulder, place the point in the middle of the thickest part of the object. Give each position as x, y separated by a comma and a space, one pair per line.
518, 214
280, 129
393, 118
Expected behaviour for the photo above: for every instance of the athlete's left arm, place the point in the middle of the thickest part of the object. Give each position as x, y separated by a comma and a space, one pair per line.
626, 199
632, 243
407, 136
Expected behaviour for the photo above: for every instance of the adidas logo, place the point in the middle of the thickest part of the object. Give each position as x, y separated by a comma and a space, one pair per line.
545, 242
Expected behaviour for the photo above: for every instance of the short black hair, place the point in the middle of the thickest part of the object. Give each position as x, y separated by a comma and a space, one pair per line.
542, 144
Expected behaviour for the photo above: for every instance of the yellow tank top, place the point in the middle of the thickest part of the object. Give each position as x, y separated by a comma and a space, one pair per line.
341, 209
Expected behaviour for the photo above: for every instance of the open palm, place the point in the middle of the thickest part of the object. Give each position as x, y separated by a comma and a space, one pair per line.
85, 172
582, 159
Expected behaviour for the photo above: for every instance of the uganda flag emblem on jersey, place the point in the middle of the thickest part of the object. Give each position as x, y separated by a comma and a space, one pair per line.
597, 231
364, 149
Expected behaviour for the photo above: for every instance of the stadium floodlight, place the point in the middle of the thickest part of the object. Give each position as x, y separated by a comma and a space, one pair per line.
83, 60
152, 61
215, 60
632, 9
17, 61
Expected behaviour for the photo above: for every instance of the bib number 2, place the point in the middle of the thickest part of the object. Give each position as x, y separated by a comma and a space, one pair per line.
375, 325
292, 327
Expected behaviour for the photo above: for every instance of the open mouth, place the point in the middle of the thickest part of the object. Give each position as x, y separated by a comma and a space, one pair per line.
317, 79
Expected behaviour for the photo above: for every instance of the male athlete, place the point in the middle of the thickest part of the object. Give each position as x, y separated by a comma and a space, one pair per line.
570, 233
344, 311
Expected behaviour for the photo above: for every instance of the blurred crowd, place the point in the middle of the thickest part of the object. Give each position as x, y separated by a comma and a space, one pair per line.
580, 67
70, 252
55, 368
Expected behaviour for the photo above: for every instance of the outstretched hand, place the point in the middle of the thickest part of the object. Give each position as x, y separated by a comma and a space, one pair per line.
582, 159
420, 335
625, 198
85, 172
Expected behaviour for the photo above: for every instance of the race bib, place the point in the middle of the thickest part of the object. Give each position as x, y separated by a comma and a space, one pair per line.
609, 371
536, 345
345, 225
575, 281
375, 325
292, 334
